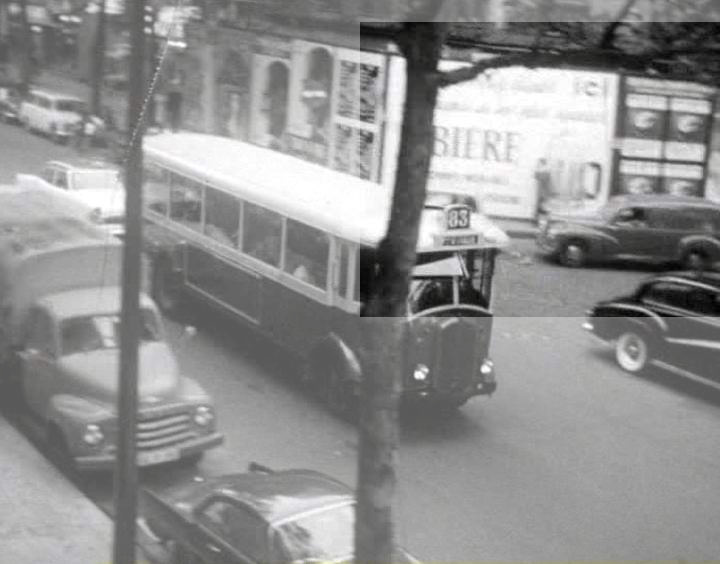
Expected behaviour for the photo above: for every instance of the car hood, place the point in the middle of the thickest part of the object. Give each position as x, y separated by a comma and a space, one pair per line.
95, 373
110, 202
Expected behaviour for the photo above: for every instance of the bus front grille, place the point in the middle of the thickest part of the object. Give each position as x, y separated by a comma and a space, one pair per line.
456, 355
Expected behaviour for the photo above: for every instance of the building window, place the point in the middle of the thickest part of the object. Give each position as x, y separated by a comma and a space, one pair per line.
262, 234
306, 254
222, 217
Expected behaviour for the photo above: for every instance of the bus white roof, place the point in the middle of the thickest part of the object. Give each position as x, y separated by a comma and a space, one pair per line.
344, 205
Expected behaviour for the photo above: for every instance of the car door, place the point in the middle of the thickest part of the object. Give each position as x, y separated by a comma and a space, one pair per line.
230, 533
631, 229
39, 360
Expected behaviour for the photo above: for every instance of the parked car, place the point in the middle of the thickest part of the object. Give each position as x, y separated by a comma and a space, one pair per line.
95, 183
660, 228
52, 113
671, 320
289, 516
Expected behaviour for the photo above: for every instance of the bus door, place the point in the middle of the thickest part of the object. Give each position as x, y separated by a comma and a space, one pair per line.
297, 310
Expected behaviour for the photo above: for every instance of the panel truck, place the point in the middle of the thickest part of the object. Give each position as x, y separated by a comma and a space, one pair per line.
59, 342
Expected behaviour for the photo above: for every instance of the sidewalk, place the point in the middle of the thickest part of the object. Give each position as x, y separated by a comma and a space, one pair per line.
517, 228
43, 518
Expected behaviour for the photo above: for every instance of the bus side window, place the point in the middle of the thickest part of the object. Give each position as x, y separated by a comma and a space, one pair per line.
222, 217
262, 234
344, 273
306, 253
186, 197
156, 189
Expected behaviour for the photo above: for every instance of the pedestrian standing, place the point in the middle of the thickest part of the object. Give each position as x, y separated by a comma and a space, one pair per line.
80, 132
543, 178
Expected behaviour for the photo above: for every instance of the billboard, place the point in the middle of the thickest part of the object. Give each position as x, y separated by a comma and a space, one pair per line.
516, 136
663, 136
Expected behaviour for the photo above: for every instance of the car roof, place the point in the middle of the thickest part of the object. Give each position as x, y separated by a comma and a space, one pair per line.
88, 301
711, 279
80, 163
661, 200
279, 496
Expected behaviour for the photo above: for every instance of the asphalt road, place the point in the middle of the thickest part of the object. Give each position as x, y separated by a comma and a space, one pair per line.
570, 460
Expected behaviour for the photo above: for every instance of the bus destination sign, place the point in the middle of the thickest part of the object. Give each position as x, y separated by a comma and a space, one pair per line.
452, 240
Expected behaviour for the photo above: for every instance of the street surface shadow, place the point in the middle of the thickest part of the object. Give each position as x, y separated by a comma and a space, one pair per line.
424, 422
659, 376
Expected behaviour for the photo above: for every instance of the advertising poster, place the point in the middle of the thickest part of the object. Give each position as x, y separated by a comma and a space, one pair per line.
270, 93
688, 129
667, 123
638, 177
516, 139
682, 179
357, 113
312, 77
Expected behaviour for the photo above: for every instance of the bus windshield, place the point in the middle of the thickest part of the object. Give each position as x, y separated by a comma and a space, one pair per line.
443, 282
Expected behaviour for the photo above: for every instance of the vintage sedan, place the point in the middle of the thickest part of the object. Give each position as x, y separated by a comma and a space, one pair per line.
659, 228
671, 320
284, 517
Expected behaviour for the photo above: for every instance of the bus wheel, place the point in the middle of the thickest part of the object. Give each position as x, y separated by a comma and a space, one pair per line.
165, 290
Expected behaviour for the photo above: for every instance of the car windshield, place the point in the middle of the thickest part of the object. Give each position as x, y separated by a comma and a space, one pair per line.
325, 536
91, 333
70, 106
96, 180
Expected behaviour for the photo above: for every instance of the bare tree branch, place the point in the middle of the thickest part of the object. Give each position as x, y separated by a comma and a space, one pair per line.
596, 58
608, 36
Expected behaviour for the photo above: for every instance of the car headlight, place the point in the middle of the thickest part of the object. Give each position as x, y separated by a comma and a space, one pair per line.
421, 373
93, 435
487, 367
203, 416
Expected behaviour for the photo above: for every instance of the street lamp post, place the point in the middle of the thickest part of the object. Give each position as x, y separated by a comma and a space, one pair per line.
126, 474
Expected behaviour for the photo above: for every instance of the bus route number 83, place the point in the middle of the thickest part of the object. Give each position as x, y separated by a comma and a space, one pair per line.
457, 217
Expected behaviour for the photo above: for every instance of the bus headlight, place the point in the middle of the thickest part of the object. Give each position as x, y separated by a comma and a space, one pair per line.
93, 435
421, 373
203, 416
487, 367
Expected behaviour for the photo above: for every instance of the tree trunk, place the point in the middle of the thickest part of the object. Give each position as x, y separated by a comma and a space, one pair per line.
384, 325
98, 68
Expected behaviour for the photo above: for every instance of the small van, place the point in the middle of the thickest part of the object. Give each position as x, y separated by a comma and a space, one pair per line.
51, 113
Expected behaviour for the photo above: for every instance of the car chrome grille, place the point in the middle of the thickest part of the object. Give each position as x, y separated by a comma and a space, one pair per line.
163, 430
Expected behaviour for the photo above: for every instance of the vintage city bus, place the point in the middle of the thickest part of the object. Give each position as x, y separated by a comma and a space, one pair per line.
288, 247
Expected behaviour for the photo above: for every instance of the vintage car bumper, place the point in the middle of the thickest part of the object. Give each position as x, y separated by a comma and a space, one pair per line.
106, 461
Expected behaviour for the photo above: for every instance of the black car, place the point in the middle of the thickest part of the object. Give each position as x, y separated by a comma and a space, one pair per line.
671, 320
284, 517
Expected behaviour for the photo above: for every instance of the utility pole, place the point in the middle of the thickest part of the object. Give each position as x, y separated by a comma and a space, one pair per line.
98, 60
126, 474
152, 57
25, 49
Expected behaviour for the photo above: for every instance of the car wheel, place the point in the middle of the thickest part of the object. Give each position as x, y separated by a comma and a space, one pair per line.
632, 351
165, 289
57, 449
573, 254
695, 260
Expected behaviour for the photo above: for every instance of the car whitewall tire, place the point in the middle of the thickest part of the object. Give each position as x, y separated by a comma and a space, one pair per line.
632, 352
